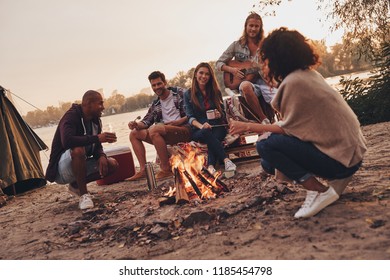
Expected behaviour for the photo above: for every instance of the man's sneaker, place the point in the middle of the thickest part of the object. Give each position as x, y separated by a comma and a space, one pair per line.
163, 174
137, 176
339, 185
73, 191
86, 202
310, 196
211, 169
320, 202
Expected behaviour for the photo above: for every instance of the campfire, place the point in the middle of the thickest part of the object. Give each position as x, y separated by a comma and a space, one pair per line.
192, 179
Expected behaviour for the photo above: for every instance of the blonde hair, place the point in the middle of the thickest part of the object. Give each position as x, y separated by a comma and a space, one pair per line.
244, 37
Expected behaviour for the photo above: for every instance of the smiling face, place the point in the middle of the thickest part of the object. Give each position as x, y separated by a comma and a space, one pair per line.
158, 86
203, 76
253, 27
92, 104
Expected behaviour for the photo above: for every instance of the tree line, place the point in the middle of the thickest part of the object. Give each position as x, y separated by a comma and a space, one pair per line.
334, 62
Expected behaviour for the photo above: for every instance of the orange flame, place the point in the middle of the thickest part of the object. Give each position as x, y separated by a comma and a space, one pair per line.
189, 161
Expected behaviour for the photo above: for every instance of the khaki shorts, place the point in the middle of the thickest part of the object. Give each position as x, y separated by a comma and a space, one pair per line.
174, 134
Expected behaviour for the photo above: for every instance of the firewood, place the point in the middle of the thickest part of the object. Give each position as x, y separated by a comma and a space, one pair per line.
207, 183
166, 200
219, 182
181, 194
193, 184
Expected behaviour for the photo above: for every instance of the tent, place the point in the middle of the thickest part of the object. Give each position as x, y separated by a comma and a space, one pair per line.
20, 163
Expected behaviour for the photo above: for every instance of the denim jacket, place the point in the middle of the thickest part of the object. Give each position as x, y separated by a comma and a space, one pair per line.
235, 50
240, 53
193, 113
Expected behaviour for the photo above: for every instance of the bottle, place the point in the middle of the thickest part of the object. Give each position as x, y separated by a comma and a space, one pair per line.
150, 178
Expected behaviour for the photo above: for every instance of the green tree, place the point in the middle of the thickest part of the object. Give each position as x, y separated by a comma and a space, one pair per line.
180, 80
114, 103
370, 100
365, 22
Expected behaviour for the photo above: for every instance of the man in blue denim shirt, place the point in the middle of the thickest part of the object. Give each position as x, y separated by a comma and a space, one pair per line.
165, 123
243, 50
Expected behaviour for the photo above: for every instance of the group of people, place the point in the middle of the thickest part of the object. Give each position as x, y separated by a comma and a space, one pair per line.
316, 142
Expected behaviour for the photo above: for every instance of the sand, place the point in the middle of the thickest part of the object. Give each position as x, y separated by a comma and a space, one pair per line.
252, 221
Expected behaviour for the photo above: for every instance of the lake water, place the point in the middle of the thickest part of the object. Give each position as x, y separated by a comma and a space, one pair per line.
118, 123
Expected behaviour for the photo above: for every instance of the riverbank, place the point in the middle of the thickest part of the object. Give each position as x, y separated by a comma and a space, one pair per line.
253, 221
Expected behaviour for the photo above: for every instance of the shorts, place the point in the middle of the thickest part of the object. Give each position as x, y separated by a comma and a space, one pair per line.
262, 89
64, 170
174, 134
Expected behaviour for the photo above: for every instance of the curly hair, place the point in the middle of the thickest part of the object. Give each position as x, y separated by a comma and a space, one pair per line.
287, 51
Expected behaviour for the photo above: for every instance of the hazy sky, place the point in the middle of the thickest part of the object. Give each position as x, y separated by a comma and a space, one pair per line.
52, 51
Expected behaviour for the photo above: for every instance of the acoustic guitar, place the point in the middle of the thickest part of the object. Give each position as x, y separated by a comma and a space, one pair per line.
250, 72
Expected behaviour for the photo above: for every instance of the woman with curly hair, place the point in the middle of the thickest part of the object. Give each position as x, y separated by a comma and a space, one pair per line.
204, 96
318, 136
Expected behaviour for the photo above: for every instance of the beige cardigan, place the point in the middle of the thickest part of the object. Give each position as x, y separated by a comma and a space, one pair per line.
313, 111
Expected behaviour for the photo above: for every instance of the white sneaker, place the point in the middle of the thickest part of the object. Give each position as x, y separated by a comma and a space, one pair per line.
86, 201
310, 196
211, 169
320, 201
229, 165
230, 169
339, 185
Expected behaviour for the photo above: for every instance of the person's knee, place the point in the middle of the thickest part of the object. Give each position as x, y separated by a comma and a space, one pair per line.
77, 153
113, 164
156, 131
263, 148
206, 133
246, 88
136, 135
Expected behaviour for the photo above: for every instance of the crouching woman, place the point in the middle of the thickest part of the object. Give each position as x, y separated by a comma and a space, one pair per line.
318, 135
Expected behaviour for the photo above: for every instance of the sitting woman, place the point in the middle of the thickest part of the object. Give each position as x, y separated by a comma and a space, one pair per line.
318, 135
204, 96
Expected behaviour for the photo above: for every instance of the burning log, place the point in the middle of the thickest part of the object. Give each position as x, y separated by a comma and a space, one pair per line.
193, 184
185, 154
181, 193
218, 182
207, 183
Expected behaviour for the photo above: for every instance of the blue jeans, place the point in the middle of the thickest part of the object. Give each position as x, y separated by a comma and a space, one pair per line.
299, 160
213, 138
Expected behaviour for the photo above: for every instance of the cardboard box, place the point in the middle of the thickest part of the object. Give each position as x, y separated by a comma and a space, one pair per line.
126, 169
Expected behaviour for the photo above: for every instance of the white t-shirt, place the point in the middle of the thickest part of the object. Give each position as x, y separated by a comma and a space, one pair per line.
169, 110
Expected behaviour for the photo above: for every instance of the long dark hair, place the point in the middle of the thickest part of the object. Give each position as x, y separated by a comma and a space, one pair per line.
212, 88
287, 51
244, 37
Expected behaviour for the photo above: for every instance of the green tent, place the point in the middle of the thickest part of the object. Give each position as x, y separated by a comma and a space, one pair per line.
20, 163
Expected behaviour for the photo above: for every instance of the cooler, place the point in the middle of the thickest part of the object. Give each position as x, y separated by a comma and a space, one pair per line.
126, 168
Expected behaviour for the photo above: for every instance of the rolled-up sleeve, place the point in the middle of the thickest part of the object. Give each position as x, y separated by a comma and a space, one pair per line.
148, 120
189, 109
226, 56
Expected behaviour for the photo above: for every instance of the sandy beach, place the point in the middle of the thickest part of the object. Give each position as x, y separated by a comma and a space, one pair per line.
252, 221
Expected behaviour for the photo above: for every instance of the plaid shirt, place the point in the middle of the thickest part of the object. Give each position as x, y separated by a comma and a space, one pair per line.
154, 114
